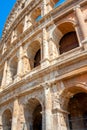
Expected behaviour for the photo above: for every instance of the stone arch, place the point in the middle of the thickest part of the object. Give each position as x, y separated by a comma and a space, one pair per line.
34, 53
38, 38
7, 119
67, 20
73, 101
66, 37
64, 21
33, 114
9, 107
66, 26
69, 92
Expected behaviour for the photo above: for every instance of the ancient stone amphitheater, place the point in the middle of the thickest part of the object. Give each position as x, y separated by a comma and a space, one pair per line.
43, 66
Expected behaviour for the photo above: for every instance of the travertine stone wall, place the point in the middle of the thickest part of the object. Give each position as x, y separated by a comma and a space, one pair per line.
58, 79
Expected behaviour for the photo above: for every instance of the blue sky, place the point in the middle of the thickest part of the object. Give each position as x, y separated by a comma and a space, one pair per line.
5, 8
59, 3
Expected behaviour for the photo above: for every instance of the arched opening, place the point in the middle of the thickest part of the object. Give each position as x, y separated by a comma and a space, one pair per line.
7, 120
68, 42
69, 38
37, 118
34, 54
77, 108
13, 68
37, 58
33, 115
36, 15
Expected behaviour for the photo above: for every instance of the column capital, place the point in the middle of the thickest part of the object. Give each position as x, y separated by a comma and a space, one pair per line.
50, 39
76, 7
25, 56
59, 110
46, 85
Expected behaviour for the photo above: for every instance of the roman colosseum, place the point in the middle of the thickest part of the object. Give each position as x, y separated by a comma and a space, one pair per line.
43, 66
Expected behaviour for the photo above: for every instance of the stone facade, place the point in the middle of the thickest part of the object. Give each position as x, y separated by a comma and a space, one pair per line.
43, 66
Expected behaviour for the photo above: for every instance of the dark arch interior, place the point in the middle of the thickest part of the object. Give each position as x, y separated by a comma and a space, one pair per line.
37, 118
6, 120
37, 58
68, 42
33, 115
78, 112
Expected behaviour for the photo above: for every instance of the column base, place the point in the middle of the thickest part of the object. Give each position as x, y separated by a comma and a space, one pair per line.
45, 63
8, 82
17, 78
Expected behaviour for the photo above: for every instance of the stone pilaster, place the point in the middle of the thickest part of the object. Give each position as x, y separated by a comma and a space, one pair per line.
4, 48
20, 62
45, 48
48, 107
14, 35
44, 7
78, 34
4, 75
15, 115
21, 118
26, 63
1, 126
27, 23
9, 74
81, 22
53, 49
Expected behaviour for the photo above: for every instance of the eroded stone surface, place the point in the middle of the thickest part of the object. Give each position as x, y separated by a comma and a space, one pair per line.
43, 74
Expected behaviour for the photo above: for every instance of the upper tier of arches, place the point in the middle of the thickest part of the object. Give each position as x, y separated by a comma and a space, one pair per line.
21, 5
